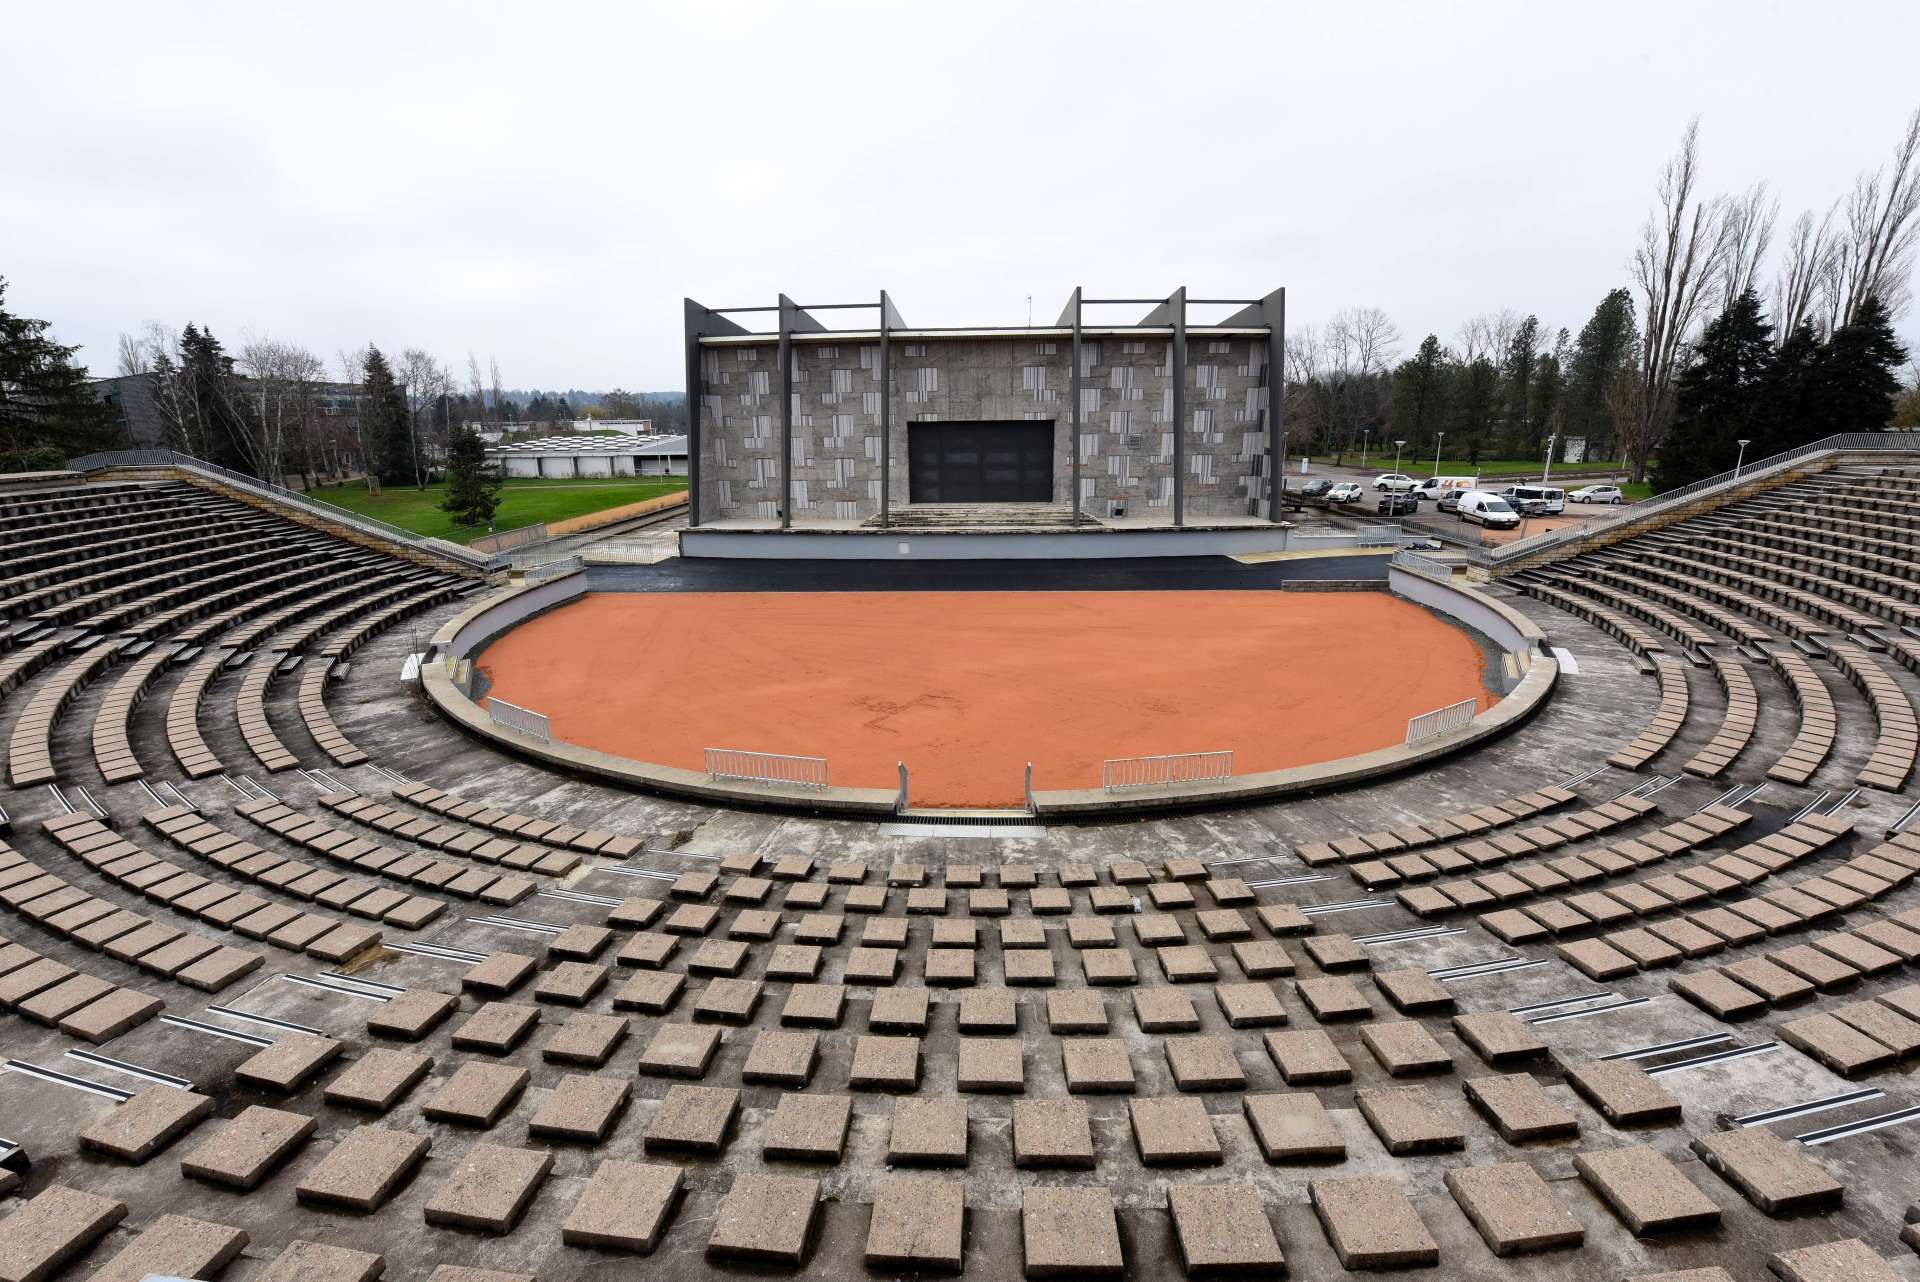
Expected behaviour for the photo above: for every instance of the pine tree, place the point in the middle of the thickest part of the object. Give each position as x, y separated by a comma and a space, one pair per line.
47, 412
473, 486
1718, 399
1789, 412
1857, 381
389, 443
1517, 371
1420, 393
1605, 347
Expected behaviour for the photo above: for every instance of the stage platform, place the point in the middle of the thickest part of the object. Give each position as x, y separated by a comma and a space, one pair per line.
1005, 532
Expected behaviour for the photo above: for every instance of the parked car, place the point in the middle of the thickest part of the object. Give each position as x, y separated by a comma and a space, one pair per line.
1598, 494
1487, 509
1398, 503
1535, 500
1345, 492
1316, 488
1450, 500
1393, 482
1434, 486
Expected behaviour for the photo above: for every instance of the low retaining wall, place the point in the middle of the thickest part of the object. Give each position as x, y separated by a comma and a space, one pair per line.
464, 635
468, 632
1502, 624
615, 515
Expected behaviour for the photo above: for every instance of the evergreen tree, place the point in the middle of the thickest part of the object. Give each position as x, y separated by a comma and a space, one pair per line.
203, 411
1857, 384
1789, 412
1517, 372
1476, 402
473, 485
47, 411
1544, 404
1605, 347
1719, 397
389, 443
1419, 401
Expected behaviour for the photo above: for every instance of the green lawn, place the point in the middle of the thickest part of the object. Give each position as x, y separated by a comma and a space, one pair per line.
522, 502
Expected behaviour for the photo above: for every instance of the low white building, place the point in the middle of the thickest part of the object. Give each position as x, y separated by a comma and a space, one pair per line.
572, 456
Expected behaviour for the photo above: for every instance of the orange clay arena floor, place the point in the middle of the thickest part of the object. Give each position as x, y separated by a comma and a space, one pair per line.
967, 687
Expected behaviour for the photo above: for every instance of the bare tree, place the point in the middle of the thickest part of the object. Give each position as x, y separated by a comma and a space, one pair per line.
135, 357
1805, 275
281, 378
423, 380
1876, 251
359, 424
1678, 268
1475, 338
1750, 219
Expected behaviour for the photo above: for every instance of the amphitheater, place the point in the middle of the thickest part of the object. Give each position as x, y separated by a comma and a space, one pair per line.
316, 966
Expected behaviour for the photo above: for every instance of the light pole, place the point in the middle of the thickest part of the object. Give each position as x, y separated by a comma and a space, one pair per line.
1741, 461
1439, 439
1397, 447
1547, 471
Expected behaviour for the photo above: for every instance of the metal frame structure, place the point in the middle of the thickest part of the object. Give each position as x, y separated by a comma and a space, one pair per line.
1168, 318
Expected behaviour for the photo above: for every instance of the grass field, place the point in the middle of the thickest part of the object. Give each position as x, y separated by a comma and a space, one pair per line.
522, 502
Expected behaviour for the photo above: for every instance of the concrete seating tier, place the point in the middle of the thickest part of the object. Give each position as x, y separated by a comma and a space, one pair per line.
1473, 823
486, 885
1497, 847
212, 901
507, 823
101, 925
112, 748
1585, 866
1736, 727
1581, 911
439, 834
30, 747
234, 856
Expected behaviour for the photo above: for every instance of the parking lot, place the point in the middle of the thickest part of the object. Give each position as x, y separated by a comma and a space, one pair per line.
1446, 523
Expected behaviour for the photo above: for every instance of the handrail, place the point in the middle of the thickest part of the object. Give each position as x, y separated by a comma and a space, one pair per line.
1424, 566
515, 717
279, 494
1118, 773
1441, 720
766, 767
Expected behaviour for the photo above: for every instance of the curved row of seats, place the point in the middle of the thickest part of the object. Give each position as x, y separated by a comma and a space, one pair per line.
1496, 848
200, 837
1670, 841
455, 838
484, 884
104, 926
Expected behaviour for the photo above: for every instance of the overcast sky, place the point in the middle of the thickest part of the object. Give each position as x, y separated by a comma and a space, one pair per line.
546, 182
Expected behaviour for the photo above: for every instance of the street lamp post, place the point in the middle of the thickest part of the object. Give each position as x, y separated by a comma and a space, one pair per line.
1439, 439
1741, 461
1397, 447
1547, 471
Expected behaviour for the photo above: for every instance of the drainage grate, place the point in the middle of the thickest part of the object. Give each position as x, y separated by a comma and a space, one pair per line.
1023, 829
1847, 1130
59, 1078
266, 1021
131, 1070
1713, 1057
1787, 1112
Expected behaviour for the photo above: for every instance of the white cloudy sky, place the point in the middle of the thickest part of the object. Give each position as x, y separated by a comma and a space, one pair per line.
545, 182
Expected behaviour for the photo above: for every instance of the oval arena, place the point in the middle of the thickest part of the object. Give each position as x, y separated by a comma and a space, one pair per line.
371, 907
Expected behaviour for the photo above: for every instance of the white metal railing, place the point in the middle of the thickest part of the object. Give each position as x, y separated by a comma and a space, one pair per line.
552, 569
508, 540
1117, 773
766, 767
1440, 720
1424, 566
515, 717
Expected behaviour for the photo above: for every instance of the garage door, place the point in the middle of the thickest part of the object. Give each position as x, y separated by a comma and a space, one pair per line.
980, 462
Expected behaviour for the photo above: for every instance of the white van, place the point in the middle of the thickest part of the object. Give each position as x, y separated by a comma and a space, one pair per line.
1541, 500
1434, 486
1489, 510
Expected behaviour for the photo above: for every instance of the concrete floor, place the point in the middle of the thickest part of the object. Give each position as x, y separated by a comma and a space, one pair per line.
1591, 715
